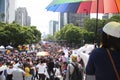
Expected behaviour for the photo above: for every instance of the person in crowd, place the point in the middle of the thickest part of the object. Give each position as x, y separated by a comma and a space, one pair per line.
33, 68
18, 73
64, 69
80, 61
57, 71
41, 70
28, 75
71, 67
2, 68
50, 66
104, 62
9, 71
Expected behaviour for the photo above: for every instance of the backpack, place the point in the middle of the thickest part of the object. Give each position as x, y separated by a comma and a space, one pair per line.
77, 73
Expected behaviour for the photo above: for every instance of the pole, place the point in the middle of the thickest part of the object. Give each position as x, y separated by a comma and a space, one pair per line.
96, 26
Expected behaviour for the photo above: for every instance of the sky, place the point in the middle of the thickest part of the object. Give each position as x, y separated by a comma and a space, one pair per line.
40, 17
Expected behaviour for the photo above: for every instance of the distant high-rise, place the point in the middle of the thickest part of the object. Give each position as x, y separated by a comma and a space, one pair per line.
21, 17
28, 21
2, 10
7, 10
53, 27
76, 19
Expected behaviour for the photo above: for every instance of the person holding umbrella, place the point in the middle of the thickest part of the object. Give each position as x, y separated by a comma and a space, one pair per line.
104, 62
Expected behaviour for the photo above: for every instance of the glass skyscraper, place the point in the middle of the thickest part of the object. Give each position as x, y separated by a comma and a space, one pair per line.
2, 10
7, 10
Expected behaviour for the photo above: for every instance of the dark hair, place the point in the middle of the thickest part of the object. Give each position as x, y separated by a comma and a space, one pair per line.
110, 42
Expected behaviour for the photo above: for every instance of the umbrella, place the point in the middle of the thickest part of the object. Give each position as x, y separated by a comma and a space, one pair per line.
66, 1
43, 53
2, 47
90, 6
95, 6
9, 47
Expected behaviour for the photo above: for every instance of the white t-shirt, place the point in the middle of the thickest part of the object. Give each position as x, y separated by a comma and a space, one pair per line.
10, 70
41, 68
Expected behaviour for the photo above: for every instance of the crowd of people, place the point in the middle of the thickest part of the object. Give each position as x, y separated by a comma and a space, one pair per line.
103, 63
28, 66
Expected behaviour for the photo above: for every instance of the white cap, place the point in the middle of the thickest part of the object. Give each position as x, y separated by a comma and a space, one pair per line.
112, 29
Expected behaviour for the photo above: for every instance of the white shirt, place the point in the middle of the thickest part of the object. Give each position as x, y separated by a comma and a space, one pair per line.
41, 68
10, 70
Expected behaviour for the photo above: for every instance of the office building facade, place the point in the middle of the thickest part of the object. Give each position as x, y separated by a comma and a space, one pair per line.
53, 27
21, 17
73, 18
7, 11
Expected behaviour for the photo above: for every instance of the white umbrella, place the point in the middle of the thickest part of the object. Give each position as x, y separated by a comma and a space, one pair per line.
42, 53
9, 47
2, 47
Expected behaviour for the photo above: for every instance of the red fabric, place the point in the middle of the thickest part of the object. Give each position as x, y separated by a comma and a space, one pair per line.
104, 6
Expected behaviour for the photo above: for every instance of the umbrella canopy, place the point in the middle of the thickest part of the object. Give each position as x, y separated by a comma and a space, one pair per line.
2, 47
43, 53
65, 1
9, 47
87, 7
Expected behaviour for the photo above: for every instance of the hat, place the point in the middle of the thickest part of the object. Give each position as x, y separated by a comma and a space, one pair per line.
112, 29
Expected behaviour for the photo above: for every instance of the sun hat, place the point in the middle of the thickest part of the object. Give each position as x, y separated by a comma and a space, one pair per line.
112, 29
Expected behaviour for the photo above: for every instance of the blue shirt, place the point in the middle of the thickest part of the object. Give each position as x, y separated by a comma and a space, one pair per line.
100, 65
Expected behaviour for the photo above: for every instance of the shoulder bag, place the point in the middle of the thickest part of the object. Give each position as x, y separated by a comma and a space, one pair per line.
113, 64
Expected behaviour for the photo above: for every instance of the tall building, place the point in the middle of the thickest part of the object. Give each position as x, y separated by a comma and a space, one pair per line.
76, 19
2, 10
21, 17
7, 10
53, 27
28, 21
11, 15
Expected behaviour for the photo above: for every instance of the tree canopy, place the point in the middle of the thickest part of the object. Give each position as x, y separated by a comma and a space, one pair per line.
14, 34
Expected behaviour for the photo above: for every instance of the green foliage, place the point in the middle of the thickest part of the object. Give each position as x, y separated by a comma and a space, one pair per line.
74, 35
57, 35
114, 18
49, 38
14, 34
90, 24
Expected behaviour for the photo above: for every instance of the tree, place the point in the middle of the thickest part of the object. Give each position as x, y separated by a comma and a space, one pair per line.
49, 38
13, 34
91, 27
74, 35
114, 18
57, 35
